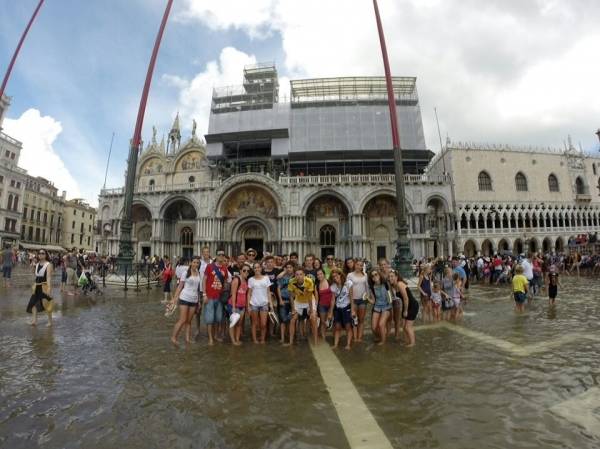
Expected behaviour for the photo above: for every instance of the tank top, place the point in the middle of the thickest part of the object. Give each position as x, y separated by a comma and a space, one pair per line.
40, 273
325, 297
240, 297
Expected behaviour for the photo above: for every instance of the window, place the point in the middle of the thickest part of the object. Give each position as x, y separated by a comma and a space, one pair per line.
191, 179
151, 183
7, 153
1, 179
7, 224
12, 156
44, 235
89, 228
51, 220
381, 252
327, 236
25, 213
553, 183
74, 213
521, 182
72, 238
32, 212
9, 205
484, 181
23, 232
30, 233
187, 237
88, 240
45, 217
579, 186
73, 225
37, 234
18, 185
38, 216
594, 168
81, 239
12, 182
16, 203
81, 228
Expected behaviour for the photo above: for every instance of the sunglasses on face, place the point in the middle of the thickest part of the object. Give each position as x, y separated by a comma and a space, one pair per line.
245, 270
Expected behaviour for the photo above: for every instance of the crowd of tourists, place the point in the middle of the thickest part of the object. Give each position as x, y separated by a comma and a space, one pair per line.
286, 298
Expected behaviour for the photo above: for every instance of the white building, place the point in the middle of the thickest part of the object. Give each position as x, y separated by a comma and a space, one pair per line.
514, 199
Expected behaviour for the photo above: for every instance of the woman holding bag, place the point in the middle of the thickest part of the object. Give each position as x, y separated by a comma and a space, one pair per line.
40, 299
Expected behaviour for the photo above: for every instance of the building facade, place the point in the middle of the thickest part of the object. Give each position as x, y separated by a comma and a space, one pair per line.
12, 184
519, 199
78, 226
313, 175
43, 210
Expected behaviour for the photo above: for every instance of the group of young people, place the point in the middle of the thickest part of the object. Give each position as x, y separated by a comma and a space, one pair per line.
284, 297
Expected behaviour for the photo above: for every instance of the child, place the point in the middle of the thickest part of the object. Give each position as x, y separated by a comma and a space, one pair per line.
520, 286
457, 295
553, 284
436, 298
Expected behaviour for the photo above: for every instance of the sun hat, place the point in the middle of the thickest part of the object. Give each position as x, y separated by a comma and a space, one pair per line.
233, 319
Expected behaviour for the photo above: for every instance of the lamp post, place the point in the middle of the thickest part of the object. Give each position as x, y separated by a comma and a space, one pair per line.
126, 253
403, 257
18, 49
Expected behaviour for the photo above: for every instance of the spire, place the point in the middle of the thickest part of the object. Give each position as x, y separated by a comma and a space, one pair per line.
174, 140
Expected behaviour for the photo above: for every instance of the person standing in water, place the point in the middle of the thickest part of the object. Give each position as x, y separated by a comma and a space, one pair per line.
40, 299
553, 284
187, 296
520, 286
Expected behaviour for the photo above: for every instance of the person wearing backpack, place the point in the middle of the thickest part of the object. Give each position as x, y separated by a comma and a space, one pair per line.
216, 276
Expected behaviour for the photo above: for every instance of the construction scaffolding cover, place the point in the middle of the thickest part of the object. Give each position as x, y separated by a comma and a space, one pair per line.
361, 89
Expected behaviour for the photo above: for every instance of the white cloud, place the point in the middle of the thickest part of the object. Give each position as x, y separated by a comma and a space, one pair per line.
196, 94
38, 134
485, 65
252, 16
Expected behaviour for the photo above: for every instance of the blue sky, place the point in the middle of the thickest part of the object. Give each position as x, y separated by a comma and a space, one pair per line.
505, 72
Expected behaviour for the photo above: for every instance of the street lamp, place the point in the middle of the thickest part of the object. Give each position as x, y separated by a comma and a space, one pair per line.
403, 257
126, 254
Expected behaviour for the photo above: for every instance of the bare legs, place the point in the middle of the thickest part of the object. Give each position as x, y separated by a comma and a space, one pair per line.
259, 321
323, 325
379, 326
359, 331
186, 314
337, 332
235, 332
409, 331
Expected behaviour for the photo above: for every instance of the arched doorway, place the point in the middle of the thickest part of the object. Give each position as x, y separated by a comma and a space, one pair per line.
142, 231
179, 215
470, 249
503, 246
533, 245
487, 248
518, 247
380, 213
560, 245
249, 214
436, 226
327, 217
547, 245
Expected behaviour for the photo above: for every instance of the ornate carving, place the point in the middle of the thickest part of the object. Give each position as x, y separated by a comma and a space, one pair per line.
250, 200
327, 207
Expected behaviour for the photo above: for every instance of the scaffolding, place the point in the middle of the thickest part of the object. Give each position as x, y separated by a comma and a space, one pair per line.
260, 90
352, 90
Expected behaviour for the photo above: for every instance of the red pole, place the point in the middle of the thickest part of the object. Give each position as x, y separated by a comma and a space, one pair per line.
137, 134
16, 53
388, 80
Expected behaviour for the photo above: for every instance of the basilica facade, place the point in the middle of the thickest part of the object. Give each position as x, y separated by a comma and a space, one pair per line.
183, 203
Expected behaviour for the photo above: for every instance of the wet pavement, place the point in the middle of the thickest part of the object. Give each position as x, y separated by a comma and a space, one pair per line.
106, 376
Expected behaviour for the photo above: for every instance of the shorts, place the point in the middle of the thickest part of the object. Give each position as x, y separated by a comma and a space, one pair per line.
71, 276
213, 311
360, 303
520, 297
264, 308
301, 310
323, 309
167, 286
436, 305
285, 312
63, 277
412, 311
552, 291
231, 310
377, 309
187, 303
6, 272
456, 302
343, 316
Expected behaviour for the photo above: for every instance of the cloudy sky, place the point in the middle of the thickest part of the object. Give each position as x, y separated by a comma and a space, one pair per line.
498, 71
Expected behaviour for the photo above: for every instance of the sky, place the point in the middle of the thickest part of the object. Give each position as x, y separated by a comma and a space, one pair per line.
521, 72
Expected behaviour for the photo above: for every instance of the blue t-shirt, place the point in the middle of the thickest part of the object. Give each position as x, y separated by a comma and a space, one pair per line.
461, 271
283, 282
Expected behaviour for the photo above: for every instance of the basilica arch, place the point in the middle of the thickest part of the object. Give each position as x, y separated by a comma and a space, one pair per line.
249, 217
328, 224
178, 216
380, 215
142, 229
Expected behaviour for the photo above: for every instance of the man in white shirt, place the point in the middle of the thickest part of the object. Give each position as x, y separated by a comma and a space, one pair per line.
527, 270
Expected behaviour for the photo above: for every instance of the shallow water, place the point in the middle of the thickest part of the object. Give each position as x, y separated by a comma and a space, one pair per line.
106, 376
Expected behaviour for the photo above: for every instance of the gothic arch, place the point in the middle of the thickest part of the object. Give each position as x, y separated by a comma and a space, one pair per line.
178, 198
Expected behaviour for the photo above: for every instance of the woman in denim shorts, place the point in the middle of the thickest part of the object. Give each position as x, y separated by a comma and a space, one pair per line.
261, 302
382, 306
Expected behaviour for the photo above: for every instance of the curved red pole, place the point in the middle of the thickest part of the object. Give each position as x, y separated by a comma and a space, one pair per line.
137, 134
16, 53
